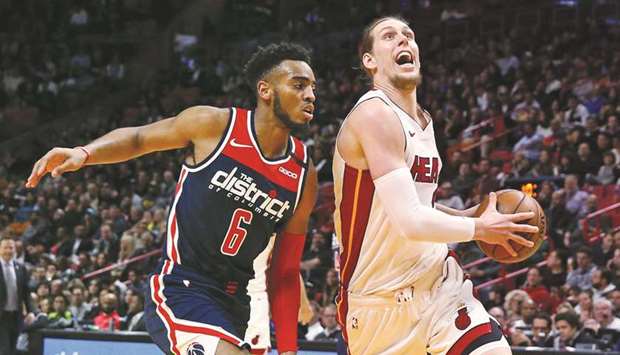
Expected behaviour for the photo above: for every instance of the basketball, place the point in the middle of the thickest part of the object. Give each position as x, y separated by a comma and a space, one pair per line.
508, 202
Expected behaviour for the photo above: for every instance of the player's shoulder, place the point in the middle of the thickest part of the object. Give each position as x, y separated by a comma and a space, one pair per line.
373, 116
206, 120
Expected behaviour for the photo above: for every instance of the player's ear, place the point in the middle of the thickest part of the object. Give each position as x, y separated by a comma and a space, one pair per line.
264, 90
369, 61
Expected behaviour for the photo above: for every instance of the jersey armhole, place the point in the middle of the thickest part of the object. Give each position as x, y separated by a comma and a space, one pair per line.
223, 139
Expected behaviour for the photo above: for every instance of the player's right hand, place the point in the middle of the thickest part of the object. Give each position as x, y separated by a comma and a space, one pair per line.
493, 227
57, 161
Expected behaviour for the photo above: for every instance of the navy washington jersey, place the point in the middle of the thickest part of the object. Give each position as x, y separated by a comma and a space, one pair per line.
227, 207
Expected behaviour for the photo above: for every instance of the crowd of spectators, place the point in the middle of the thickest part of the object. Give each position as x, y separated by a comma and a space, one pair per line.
541, 108
66, 57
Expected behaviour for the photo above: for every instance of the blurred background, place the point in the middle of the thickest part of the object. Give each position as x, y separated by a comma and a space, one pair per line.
523, 94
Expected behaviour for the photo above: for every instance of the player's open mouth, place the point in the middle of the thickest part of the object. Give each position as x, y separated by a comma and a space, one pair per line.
405, 59
308, 111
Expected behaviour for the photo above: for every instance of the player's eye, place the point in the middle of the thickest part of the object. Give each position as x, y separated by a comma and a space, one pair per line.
388, 36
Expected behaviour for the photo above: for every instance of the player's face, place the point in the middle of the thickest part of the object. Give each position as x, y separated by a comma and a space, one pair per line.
395, 54
293, 94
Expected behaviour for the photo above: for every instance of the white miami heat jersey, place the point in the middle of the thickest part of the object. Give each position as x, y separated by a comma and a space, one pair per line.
375, 258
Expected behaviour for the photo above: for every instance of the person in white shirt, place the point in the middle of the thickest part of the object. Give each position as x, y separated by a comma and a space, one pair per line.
314, 326
604, 316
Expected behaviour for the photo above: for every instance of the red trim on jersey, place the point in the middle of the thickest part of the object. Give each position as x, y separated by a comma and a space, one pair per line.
298, 150
357, 196
173, 236
469, 337
241, 149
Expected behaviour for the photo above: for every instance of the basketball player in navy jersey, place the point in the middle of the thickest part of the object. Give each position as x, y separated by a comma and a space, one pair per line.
249, 179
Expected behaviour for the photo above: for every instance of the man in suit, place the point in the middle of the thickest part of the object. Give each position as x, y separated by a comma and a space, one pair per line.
13, 296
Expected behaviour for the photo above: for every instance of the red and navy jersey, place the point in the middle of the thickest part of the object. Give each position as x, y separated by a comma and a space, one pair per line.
227, 207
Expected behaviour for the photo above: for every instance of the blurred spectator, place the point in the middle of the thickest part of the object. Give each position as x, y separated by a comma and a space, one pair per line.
314, 326
575, 197
513, 303
108, 317
569, 334
537, 291
584, 308
541, 330
603, 314
604, 251
447, 197
79, 307
317, 259
554, 274
60, 317
608, 173
331, 329
582, 275
601, 283
530, 143
500, 316
134, 321
330, 288
464, 181
528, 311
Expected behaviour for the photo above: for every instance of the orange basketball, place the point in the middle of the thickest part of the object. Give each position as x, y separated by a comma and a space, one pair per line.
513, 201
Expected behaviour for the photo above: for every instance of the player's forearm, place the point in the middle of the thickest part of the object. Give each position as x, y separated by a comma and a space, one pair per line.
469, 212
119, 145
416, 221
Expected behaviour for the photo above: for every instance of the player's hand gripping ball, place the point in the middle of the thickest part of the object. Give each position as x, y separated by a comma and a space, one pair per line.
513, 201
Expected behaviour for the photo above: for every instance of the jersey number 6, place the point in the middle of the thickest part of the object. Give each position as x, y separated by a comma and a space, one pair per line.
236, 234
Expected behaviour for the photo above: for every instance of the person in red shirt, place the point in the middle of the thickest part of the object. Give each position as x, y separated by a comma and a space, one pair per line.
538, 292
108, 318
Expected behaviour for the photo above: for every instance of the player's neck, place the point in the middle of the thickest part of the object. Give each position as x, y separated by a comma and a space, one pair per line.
272, 136
406, 99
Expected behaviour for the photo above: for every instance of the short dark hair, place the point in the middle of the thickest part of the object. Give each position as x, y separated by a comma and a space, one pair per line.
268, 57
570, 317
365, 44
607, 274
544, 316
585, 250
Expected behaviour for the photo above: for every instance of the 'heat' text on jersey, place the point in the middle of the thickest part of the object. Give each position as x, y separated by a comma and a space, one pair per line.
425, 169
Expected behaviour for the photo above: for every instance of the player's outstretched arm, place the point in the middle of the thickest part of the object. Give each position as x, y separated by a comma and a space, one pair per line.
130, 142
284, 280
378, 132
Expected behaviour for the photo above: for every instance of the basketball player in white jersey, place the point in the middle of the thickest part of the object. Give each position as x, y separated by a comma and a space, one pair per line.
401, 290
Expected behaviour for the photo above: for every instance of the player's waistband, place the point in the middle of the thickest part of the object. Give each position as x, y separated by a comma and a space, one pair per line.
420, 290
180, 273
